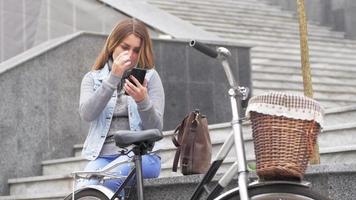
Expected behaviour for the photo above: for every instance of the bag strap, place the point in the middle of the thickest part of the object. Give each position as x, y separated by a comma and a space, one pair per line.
176, 159
177, 144
179, 133
191, 139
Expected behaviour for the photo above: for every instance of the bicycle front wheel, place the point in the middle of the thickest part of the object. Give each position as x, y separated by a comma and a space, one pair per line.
88, 194
276, 192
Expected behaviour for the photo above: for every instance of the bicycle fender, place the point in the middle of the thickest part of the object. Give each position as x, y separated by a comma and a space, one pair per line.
107, 192
102, 189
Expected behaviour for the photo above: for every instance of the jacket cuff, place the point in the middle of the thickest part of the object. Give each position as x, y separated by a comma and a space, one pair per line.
113, 81
144, 104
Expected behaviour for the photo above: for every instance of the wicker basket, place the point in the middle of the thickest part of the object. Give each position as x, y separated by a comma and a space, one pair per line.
285, 129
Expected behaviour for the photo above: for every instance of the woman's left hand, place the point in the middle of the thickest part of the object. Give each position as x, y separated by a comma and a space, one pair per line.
138, 92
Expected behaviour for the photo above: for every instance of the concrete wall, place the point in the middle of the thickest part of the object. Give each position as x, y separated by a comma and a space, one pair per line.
193, 80
40, 95
338, 14
25, 24
38, 103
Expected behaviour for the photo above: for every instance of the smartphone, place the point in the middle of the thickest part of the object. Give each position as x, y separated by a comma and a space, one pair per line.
139, 74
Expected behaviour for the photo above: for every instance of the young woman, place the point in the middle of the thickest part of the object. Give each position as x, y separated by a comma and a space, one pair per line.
105, 105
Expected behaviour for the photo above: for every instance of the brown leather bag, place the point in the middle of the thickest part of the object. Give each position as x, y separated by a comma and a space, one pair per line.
193, 144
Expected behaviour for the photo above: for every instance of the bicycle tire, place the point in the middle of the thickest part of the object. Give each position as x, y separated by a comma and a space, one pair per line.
276, 192
88, 194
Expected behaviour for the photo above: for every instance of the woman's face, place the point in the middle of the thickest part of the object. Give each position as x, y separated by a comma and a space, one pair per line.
132, 45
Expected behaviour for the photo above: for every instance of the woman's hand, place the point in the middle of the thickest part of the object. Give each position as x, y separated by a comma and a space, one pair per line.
138, 92
121, 63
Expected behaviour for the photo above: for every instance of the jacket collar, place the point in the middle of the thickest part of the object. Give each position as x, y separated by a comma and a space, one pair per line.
104, 72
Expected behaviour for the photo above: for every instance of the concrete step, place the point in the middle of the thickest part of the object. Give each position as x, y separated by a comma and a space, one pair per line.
33, 186
296, 58
321, 91
213, 7
253, 15
51, 196
337, 155
296, 52
319, 88
330, 88
63, 166
285, 45
329, 63
248, 4
274, 30
332, 72
296, 78
340, 135
295, 64
256, 23
340, 115
257, 40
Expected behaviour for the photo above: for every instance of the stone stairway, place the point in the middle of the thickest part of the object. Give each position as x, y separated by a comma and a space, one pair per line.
275, 55
275, 63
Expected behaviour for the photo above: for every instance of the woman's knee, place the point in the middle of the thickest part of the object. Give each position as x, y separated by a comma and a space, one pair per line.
151, 166
96, 165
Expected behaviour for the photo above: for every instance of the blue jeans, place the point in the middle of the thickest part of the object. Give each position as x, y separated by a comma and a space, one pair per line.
151, 167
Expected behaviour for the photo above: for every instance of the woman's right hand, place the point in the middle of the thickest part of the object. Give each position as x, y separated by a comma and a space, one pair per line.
121, 63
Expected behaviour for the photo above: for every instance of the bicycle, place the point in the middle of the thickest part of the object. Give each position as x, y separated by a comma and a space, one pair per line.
257, 190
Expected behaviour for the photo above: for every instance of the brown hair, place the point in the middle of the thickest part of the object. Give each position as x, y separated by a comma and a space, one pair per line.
118, 34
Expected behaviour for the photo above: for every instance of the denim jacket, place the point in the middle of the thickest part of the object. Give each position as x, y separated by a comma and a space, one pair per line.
99, 127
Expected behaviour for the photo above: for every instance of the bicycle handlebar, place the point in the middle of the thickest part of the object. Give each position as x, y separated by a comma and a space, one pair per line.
203, 48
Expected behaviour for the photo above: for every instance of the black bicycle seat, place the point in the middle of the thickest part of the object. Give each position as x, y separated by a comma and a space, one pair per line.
126, 138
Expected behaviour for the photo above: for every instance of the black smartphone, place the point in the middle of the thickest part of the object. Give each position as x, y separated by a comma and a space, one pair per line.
139, 74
